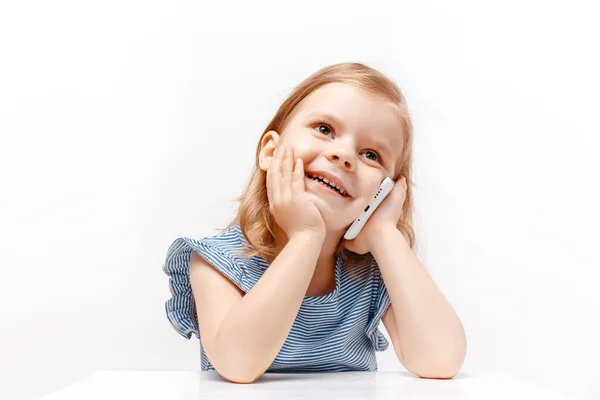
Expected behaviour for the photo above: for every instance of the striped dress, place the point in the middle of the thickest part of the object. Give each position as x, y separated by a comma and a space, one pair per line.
335, 332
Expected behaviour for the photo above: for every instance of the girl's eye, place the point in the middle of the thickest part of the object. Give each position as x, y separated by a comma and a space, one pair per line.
374, 156
325, 129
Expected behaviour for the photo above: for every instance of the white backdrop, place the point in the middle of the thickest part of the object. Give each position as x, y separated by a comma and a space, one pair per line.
125, 124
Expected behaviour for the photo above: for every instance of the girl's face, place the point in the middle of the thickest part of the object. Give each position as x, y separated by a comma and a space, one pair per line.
349, 136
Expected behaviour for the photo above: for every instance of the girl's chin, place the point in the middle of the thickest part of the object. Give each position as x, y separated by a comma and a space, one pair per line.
336, 218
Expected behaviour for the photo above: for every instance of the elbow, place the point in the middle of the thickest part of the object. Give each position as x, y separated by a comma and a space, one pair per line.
437, 368
438, 371
445, 363
237, 358
240, 377
236, 368
235, 362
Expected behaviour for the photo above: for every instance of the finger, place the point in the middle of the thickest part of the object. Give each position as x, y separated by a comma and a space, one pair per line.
287, 163
274, 176
298, 177
286, 174
270, 184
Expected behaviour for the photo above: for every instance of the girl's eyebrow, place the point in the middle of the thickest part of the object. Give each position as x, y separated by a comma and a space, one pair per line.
380, 144
327, 116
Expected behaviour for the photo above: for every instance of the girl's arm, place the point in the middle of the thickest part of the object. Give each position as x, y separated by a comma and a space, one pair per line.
242, 334
427, 335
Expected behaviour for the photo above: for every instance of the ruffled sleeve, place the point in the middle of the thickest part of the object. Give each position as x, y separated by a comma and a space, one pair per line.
379, 305
217, 251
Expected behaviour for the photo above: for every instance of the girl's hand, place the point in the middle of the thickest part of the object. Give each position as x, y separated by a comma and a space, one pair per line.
289, 203
387, 215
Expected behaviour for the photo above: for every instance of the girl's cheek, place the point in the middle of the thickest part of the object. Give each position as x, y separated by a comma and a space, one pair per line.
302, 150
303, 146
368, 191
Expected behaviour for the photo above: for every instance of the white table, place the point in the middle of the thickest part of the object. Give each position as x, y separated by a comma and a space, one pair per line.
155, 385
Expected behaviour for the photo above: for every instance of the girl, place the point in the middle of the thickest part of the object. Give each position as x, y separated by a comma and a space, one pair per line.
280, 290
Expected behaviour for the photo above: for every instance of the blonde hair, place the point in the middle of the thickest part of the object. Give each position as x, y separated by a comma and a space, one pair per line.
256, 221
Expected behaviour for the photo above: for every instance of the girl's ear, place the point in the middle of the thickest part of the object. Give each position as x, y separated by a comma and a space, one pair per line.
268, 144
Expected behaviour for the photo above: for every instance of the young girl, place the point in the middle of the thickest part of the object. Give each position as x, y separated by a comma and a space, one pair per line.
281, 290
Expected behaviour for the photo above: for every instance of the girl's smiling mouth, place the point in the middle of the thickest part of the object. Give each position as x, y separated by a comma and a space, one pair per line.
328, 186
335, 182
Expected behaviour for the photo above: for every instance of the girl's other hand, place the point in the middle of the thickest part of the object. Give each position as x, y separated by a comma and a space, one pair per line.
289, 203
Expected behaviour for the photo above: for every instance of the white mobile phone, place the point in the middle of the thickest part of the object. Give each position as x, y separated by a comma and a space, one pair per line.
386, 187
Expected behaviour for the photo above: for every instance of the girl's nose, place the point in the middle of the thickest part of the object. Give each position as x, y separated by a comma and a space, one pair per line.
342, 157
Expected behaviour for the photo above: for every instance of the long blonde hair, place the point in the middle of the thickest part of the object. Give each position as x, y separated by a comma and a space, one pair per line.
256, 221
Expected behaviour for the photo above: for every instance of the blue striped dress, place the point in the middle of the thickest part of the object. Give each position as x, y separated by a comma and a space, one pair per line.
335, 332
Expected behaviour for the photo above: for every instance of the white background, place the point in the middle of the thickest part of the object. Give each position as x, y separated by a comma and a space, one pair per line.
126, 124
